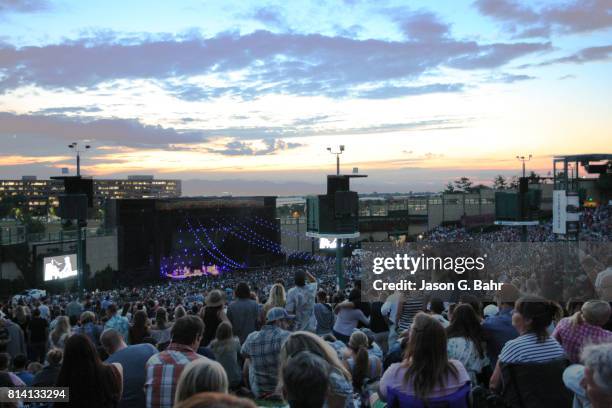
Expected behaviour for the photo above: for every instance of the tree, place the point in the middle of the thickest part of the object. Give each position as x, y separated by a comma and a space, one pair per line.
32, 225
514, 182
449, 188
533, 178
13, 206
464, 184
500, 183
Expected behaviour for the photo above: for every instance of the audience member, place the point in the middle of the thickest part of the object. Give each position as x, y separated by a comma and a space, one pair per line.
426, 370
243, 312
19, 368
215, 400
47, 377
305, 381
212, 315
117, 322
201, 375
164, 368
498, 330
583, 328
301, 301
133, 359
226, 349
531, 318
261, 352
92, 383
465, 342
340, 392
324, 314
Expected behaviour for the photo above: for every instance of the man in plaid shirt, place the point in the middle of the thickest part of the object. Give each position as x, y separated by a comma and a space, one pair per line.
163, 369
261, 350
584, 328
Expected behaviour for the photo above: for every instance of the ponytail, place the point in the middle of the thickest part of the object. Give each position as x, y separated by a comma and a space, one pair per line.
361, 369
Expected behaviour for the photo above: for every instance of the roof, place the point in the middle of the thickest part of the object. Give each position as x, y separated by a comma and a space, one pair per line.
585, 157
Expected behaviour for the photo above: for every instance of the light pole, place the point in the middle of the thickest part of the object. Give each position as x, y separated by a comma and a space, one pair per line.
75, 146
296, 216
523, 159
337, 153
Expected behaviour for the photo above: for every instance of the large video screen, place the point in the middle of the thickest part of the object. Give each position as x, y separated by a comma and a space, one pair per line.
325, 243
60, 267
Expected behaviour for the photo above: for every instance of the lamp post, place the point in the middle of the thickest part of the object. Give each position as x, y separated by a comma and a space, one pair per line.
523, 159
337, 152
75, 146
296, 216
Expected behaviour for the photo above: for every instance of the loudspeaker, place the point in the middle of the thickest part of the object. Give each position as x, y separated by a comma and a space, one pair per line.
346, 204
76, 185
337, 183
73, 206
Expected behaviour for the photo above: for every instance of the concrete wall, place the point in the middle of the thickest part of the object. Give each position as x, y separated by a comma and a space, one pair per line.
102, 252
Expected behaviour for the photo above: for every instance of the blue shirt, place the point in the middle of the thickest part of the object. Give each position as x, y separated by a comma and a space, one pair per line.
26, 377
498, 330
120, 324
133, 360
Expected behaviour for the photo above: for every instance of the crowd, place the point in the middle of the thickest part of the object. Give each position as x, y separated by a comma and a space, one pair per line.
285, 336
595, 225
306, 347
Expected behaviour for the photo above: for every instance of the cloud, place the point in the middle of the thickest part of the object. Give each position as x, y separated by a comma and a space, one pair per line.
386, 92
583, 56
422, 26
270, 16
271, 146
23, 6
125, 132
69, 109
510, 78
576, 16
19, 160
296, 64
497, 55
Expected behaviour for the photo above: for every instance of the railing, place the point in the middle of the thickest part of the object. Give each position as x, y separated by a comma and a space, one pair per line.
12, 235
16, 235
70, 235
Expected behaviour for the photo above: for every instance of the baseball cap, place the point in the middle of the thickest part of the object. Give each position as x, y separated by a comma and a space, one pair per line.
278, 313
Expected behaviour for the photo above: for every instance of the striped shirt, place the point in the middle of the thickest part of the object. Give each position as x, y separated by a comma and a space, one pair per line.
163, 371
407, 310
527, 349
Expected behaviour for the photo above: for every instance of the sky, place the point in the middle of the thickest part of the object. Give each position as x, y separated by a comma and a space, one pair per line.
419, 92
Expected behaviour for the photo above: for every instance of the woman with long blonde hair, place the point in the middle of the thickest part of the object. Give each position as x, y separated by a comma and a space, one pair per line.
340, 387
276, 298
60, 333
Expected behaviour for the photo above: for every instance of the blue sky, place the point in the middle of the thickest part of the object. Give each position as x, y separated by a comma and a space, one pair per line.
418, 91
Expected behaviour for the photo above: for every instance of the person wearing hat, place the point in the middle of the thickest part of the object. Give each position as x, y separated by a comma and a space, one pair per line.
261, 351
212, 315
498, 329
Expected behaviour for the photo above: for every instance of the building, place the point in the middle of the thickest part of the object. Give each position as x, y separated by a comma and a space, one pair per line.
136, 187
40, 195
36, 195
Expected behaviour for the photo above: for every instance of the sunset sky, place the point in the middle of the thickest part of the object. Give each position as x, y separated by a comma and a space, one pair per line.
420, 92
